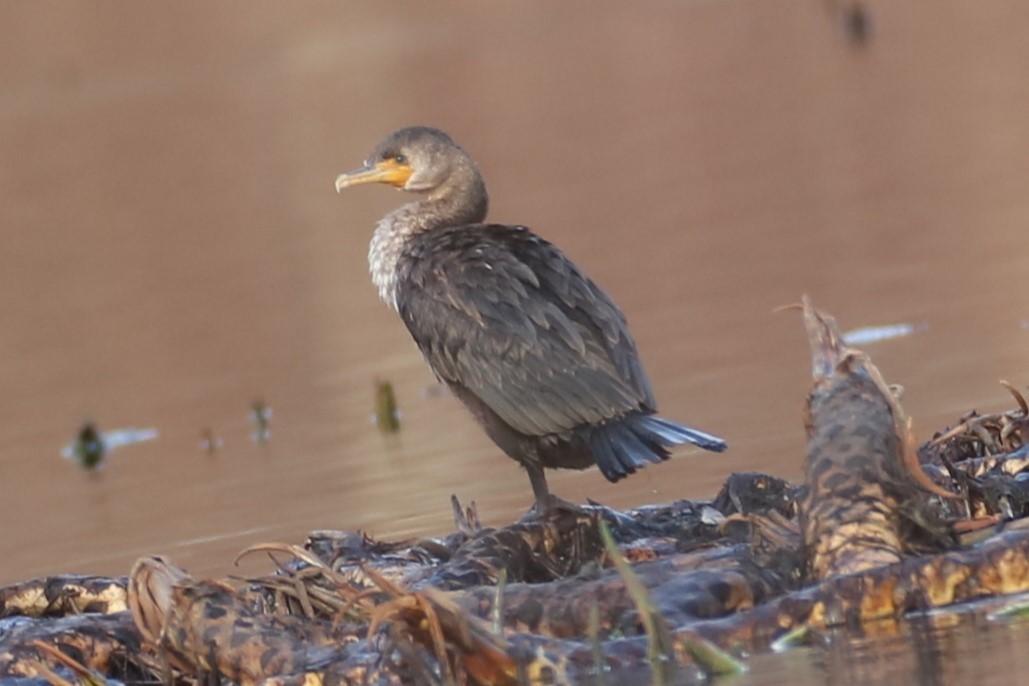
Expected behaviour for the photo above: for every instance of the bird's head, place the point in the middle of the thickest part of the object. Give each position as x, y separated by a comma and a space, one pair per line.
417, 158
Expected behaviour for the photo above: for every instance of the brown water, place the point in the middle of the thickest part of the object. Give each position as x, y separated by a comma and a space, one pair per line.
173, 249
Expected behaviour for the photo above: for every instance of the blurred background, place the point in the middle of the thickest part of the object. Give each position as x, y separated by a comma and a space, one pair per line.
173, 250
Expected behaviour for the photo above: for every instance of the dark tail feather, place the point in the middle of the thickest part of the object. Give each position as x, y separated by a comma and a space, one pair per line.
610, 464
670, 433
622, 447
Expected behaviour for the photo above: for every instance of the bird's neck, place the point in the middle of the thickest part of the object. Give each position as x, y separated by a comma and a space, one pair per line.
463, 201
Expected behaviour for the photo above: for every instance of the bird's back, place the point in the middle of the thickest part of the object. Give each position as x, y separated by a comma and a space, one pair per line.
508, 317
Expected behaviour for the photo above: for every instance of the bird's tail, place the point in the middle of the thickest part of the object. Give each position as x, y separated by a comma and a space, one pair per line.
627, 444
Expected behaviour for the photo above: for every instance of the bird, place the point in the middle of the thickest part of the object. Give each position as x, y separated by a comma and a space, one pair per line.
537, 352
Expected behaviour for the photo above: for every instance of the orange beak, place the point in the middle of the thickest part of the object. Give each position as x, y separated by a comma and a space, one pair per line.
387, 171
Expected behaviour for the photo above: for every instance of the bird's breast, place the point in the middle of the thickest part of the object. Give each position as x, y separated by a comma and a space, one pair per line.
384, 253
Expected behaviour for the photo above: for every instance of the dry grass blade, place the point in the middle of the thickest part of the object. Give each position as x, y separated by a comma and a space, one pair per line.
484, 654
318, 590
150, 593
465, 519
791, 639
399, 599
953, 432
661, 647
388, 587
294, 550
413, 658
988, 427
1017, 395
50, 676
354, 608
440, 625
597, 652
498, 603
300, 588
439, 642
709, 657
659, 642
787, 308
86, 676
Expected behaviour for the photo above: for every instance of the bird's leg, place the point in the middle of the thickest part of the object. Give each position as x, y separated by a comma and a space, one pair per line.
539, 485
547, 504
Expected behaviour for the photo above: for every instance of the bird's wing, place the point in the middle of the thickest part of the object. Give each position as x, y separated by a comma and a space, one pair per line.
506, 315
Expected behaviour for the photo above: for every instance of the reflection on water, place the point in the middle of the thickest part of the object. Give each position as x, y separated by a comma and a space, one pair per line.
934, 650
91, 448
173, 247
874, 334
261, 417
387, 415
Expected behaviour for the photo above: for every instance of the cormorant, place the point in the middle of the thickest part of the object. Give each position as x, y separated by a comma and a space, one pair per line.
538, 353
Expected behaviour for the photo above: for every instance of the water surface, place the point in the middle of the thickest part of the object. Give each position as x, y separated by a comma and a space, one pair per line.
174, 251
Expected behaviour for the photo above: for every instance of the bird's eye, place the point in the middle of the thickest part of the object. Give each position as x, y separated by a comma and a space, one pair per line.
400, 159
